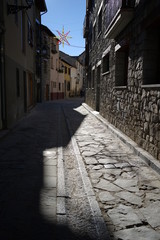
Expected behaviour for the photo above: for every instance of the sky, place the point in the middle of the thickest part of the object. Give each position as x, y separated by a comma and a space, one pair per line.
70, 15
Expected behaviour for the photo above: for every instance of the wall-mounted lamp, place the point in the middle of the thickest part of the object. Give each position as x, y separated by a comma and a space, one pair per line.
14, 8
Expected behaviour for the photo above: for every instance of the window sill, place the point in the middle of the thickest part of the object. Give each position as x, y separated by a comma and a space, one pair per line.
105, 73
151, 86
120, 87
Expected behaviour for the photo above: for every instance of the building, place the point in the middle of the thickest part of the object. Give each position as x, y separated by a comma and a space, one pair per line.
18, 24
67, 63
52, 72
81, 71
123, 67
2, 71
73, 74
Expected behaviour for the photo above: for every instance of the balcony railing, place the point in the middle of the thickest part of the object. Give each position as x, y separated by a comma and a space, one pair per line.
119, 14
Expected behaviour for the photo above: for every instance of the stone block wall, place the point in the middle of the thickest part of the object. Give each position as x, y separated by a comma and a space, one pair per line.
134, 108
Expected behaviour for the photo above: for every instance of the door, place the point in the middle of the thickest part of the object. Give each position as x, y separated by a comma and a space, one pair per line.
25, 91
98, 89
47, 92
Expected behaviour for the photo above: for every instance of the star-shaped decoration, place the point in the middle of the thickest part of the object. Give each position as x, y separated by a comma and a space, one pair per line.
63, 37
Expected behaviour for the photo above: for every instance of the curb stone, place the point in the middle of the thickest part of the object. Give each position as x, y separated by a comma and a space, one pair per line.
61, 191
100, 224
148, 158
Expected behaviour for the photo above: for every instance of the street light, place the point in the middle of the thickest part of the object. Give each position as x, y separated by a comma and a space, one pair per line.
14, 8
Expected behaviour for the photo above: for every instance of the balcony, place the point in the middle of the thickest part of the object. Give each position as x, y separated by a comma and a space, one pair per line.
119, 14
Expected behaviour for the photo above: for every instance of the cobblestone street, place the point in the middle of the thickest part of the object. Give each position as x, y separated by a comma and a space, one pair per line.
65, 175
127, 190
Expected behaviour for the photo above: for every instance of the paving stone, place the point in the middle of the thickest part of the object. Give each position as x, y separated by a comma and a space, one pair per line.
152, 214
130, 197
50, 170
128, 175
94, 181
147, 173
90, 160
105, 197
49, 182
49, 153
122, 165
123, 216
107, 160
115, 172
109, 166
89, 153
152, 196
97, 167
155, 184
51, 162
108, 186
138, 233
128, 184
95, 174
109, 177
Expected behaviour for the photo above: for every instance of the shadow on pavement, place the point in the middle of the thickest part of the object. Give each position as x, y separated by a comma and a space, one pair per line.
21, 175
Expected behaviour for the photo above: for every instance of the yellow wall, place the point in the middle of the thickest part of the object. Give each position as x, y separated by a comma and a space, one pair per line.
67, 79
17, 59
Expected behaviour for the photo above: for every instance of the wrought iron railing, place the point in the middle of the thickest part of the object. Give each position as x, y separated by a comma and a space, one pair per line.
113, 6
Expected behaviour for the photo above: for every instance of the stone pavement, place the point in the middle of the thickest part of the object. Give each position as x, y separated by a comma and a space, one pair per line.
28, 175
127, 189
31, 161
31, 199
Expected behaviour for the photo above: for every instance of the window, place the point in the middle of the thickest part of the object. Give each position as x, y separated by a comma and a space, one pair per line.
93, 78
151, 57
16, 14
51, 86
54, 85
23, 37
57, 64
30, 34
17, 82
121, 71
45, 66
69, 71
90, 37
51, 62
89, 77
38, 34
65, 70
106, 63
94, 33
59, 86
68, 86
100, 22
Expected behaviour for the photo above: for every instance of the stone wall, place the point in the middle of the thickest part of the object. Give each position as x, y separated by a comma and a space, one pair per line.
135, 107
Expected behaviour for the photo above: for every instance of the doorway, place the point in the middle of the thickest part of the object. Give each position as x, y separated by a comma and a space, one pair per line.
98, 89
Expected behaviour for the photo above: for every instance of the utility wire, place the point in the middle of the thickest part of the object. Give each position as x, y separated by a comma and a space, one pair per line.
73, 46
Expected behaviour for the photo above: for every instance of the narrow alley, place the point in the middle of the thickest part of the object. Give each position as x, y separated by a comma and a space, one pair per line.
65, 175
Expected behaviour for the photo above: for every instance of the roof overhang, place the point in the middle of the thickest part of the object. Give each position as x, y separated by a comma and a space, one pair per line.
41, 4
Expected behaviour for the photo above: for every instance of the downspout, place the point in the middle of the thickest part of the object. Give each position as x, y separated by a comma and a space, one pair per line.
2, 70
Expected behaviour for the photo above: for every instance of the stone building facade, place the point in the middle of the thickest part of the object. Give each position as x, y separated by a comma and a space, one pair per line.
123, 67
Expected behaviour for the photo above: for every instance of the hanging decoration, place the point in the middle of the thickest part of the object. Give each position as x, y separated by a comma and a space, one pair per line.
63, 37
